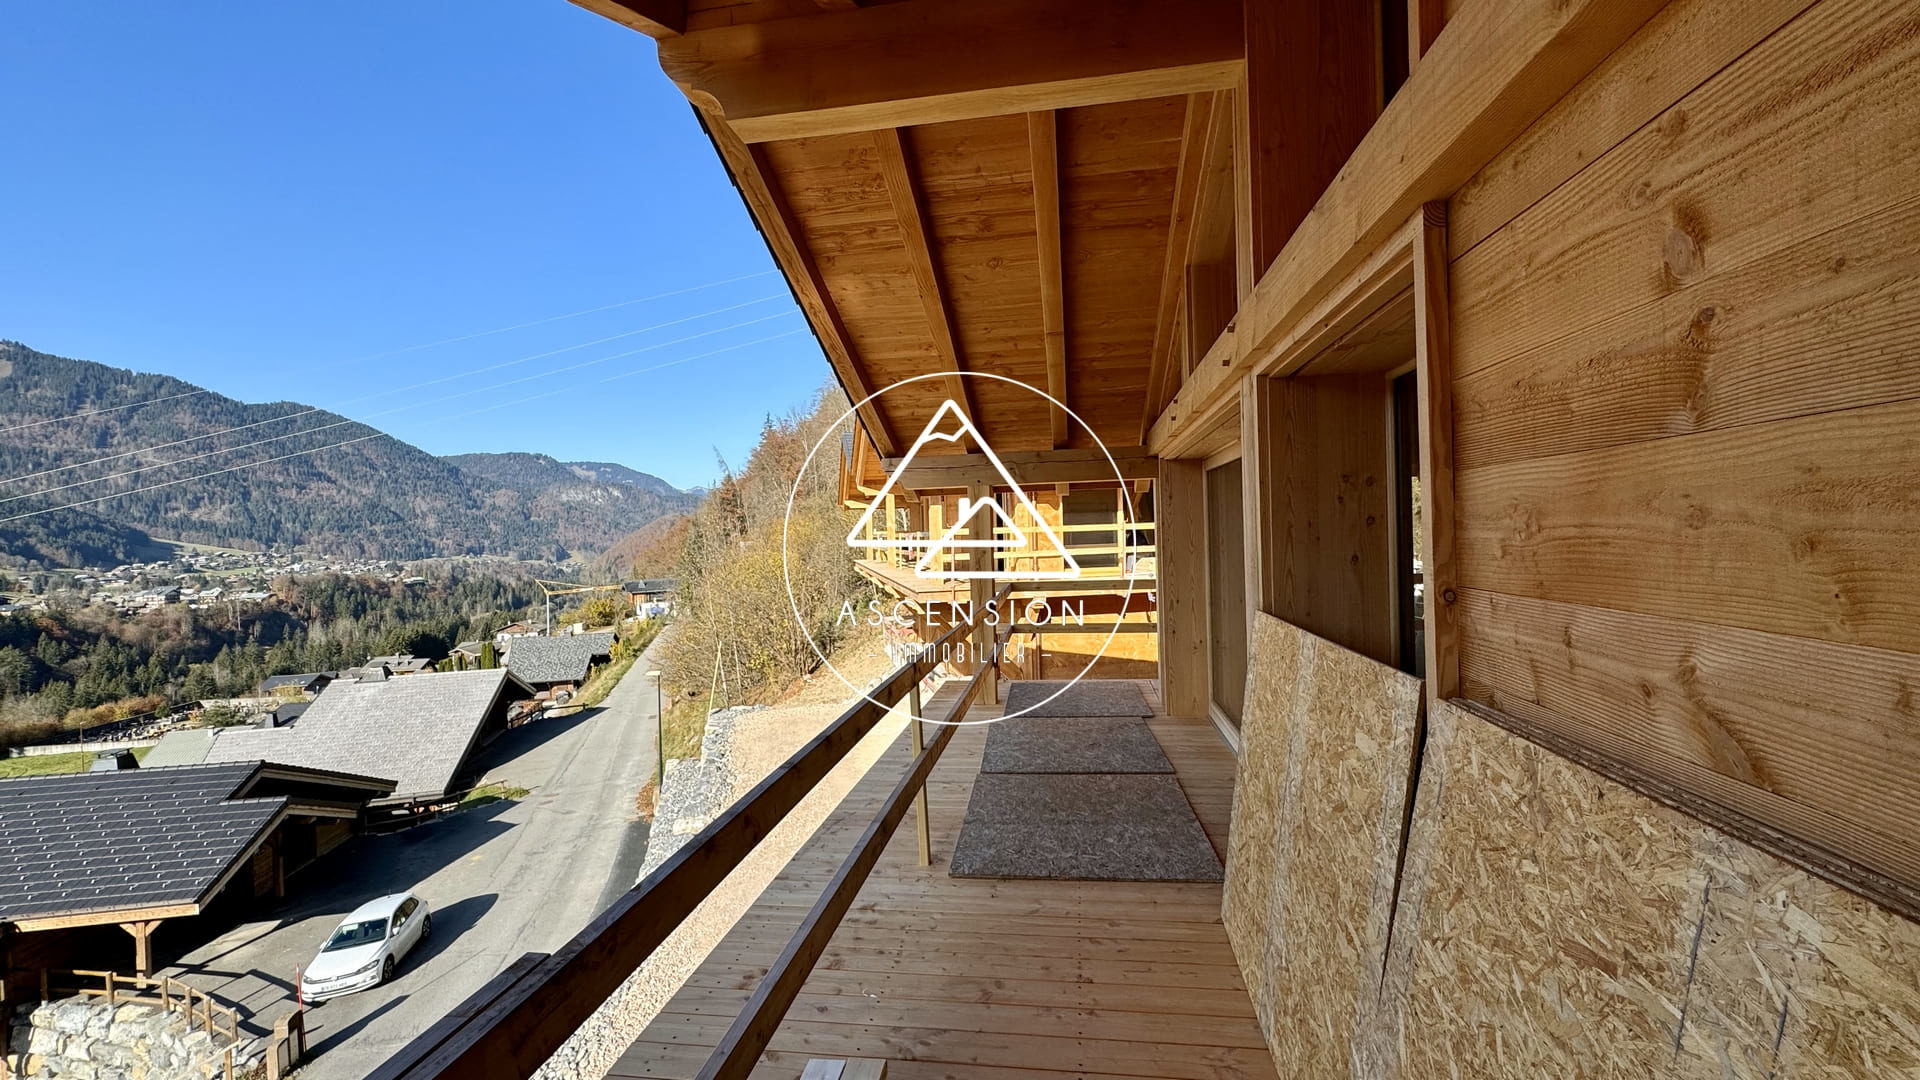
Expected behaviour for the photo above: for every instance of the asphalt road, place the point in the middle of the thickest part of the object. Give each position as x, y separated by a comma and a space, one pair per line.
502, 880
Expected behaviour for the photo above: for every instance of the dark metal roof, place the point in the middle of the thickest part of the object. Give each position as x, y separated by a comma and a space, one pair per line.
139, 838
651, 585
543, 661
306, 681
80, 843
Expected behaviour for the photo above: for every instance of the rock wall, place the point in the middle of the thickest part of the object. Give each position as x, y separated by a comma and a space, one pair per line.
85, 1039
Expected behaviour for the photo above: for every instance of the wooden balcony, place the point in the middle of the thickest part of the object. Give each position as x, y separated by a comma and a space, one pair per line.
943, 976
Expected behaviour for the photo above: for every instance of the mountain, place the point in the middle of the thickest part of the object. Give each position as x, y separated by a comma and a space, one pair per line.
373, 497
593, 504
650, 551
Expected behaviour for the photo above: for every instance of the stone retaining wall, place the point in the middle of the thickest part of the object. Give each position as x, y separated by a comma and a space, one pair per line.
85, 1039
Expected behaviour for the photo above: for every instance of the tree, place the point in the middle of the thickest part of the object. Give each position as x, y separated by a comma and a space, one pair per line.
489, 658
16, 672
602, 610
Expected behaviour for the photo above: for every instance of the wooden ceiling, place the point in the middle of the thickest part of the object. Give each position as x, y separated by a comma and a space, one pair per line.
962, 187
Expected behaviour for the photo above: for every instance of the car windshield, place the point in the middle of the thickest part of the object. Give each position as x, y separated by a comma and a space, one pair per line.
355, 934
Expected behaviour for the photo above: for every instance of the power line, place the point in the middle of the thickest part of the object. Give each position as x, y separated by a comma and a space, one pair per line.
364, 438
97, 412
383, 393
183, 480
568, 315
411, 348
403, 408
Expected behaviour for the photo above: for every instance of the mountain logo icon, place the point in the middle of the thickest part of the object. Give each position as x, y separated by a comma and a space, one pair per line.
1002, 533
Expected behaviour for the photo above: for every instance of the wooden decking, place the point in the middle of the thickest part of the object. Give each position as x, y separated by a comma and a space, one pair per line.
1020, 980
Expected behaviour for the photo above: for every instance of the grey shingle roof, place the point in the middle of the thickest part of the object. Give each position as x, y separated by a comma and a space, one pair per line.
418, 730
545, 660
187, 746
110, 841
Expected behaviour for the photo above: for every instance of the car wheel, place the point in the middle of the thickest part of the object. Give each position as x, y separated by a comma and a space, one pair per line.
426, 927
386, 971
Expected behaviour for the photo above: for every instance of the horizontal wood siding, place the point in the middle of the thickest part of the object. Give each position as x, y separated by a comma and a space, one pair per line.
1687, 415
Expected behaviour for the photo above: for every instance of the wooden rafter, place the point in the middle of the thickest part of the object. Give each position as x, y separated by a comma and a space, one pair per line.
1043, 145
755, 178
899, 65
912, 219
654, 18
1202, 113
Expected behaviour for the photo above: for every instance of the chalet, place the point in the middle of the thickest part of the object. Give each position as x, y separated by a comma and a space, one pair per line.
557, 663
1523, 394
421, 730
650, 596
83, 853
309, 684
399, 664
515, 630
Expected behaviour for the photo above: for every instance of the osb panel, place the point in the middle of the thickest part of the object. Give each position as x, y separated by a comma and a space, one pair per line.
1326, 755
1555, 923
1273, 674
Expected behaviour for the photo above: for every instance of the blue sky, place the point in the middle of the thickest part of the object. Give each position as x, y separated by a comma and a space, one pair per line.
270, 199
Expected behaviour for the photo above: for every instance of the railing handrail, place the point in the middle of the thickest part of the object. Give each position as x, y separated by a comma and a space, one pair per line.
551, 995
740, 1048
116, 987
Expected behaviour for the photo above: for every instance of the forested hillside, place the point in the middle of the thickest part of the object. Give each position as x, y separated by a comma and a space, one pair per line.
734, 612
592, 504
54, 663
378, 497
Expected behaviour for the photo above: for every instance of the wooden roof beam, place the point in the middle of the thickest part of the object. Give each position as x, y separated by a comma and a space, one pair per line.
926, 61
654, 18
911, 216
1043, 146
1029, 468
1204, 114
754, 177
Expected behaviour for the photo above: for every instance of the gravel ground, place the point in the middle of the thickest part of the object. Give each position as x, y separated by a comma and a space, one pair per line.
740, 748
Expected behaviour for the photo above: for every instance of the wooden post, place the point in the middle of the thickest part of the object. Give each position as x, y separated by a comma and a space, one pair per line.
1310, 93
980, 527
922, 827
1180, 539
1433, 342
110, 990
142, 944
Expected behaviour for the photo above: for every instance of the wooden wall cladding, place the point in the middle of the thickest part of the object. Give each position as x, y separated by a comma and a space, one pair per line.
1327, 491
1686, 310
1327, 753
1555, 923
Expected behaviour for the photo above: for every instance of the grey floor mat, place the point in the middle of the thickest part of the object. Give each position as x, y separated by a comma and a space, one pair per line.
1101, 827
1029, 744
1088, 697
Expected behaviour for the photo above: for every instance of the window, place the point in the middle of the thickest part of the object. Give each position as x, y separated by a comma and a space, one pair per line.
1226, 591
1408, 588
1094, 520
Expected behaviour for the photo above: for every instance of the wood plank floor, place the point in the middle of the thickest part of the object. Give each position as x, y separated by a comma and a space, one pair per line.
1015, 980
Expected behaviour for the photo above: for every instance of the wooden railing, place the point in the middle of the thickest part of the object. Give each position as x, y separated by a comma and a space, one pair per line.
740, 1048
512, 1025
198, 1006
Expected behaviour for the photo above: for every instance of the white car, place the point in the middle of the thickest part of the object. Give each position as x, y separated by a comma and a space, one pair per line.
367, 946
